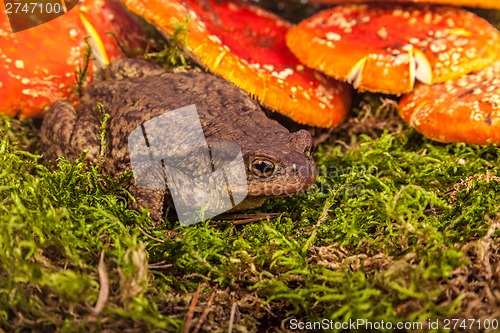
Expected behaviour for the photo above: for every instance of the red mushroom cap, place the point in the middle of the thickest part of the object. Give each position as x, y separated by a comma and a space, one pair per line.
383, 48
246, 45
494, 4
466, 109
38, 64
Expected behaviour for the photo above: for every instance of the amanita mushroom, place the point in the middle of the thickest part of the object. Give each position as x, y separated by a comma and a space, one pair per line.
246, 45
38, 64
462, 110
494, 4
384, 48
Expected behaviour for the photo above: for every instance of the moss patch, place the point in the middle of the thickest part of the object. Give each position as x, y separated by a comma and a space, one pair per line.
398, 228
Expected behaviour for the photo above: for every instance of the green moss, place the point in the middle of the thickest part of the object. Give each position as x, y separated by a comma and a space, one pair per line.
172, 55
54, 225
82, 70
385, 235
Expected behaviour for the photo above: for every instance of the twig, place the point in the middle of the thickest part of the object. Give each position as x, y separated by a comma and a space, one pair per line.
246, 221
192, 306
159, 265
201, 276
231, 318
342, 143
494, 225
205, 312
239, 219
149, 236
104, 287
246, 216
324, 213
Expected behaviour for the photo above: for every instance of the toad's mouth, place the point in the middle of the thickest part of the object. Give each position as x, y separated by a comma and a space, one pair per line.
257, 196
288, 185
279, 190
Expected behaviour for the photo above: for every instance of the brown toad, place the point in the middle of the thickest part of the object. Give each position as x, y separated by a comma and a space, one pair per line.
132, 92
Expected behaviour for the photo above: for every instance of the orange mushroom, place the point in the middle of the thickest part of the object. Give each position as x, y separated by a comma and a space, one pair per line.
494, 4
462, 110
384, 48
246, 45
38, 64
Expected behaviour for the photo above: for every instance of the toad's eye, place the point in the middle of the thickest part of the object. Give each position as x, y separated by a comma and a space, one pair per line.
262, 168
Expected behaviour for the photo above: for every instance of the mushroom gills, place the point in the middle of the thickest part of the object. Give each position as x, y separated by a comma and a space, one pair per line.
423, 69
356, 74
96, 44
414, 121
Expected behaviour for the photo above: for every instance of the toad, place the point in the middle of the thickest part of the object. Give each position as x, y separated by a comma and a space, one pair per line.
132, 92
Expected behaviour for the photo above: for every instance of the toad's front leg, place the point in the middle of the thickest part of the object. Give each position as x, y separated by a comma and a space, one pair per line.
63, 133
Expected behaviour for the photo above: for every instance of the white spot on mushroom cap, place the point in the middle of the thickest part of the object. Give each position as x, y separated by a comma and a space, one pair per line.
193, 15
382, 33
332, 36
268, 67
30, 92
215, 39
255, 66
401, 59
407, 47
19, 64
